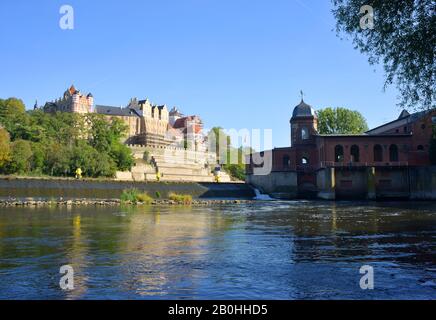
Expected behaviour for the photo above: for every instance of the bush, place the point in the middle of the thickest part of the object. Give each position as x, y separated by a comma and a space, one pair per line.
130, 195
181, 198
134, 196
144, 198
158, 194
236, 171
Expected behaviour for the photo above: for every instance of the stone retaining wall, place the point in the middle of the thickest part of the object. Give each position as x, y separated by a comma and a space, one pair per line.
90, 189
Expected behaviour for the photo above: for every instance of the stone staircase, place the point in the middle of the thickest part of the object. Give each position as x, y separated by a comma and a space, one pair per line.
175, 165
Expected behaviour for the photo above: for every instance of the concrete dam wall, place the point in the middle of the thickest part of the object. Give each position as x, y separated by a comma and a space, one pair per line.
88, 189
415, 183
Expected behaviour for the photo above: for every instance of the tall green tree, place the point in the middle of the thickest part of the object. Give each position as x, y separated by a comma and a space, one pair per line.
14, 118
122, 156
57, 159
20, 157
5, 149
403, 39
219, 142
340, 121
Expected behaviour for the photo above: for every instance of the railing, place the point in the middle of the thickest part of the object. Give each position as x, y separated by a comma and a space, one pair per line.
330, 164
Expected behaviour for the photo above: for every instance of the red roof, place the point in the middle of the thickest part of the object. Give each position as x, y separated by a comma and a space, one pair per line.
182, 123
72, 89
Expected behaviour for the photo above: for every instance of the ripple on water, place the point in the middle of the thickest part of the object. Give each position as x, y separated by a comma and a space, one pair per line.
271, 250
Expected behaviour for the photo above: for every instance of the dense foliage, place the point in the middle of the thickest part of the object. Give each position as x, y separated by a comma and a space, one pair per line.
34, 142
403, 38
341, 121
220, 142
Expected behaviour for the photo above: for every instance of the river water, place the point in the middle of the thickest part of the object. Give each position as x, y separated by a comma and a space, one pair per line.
264, 250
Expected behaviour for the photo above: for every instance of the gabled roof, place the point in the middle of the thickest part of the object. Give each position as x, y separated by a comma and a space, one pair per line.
404, 118
404, 114
182, 123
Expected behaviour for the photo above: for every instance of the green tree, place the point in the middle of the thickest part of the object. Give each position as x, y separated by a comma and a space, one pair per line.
5, 149
403, 39
237, 170
93, 163
37, 160
341, 121
14, 118
21, 155
219, 142
122, 155
57, 159
103, 133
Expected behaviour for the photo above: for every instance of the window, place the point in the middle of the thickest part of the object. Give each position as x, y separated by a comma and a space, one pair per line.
304, 161
420, 148
304, 133
393, 153
339, 153
355, 154
286, 162
378, 153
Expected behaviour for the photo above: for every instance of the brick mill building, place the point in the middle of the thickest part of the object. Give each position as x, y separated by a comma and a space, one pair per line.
383, 162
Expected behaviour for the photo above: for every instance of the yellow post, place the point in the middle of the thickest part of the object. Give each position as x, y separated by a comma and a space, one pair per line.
78, 173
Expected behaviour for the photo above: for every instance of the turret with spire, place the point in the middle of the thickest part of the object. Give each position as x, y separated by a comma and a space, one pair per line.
304, 123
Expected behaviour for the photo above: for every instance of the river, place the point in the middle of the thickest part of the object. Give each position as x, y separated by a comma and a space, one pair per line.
264, 250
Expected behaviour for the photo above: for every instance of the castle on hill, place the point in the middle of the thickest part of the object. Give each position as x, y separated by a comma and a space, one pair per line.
148, 124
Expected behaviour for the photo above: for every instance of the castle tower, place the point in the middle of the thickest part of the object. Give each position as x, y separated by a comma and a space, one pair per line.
304, 124
174, 115
90, 104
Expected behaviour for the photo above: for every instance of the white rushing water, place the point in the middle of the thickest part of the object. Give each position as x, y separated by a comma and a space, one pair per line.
260, 196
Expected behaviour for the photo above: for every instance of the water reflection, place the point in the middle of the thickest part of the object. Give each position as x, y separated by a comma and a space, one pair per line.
274, 250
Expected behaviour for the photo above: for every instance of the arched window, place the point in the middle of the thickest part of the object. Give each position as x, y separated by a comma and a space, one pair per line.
393, 153
339, 153
378, 153
286, 162
304, 161
355, 154
304, 133
420, 147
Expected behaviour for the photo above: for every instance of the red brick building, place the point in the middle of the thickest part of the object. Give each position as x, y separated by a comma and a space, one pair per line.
391, 149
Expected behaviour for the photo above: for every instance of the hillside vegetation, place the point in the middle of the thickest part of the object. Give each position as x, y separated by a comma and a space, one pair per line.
38, 143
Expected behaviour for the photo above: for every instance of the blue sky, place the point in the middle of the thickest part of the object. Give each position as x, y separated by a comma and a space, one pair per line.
236, 63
